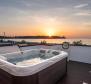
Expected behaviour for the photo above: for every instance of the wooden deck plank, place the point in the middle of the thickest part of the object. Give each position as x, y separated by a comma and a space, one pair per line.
78, 73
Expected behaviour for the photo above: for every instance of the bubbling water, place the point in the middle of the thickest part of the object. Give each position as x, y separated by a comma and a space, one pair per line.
30, 62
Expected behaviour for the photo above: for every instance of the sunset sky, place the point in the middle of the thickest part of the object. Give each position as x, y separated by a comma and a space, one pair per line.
71, 18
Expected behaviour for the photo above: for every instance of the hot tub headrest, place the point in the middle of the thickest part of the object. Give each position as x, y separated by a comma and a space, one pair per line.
42, 51
55, 52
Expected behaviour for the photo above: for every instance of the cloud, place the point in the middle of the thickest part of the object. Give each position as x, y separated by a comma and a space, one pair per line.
81, 5
87, 24
82, 14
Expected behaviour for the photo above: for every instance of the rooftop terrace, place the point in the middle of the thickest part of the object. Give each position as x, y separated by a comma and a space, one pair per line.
79, 71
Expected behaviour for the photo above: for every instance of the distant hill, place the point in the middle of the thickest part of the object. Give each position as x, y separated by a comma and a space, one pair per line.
34, 37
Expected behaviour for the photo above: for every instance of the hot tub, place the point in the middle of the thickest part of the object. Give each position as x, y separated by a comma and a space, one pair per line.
38, 66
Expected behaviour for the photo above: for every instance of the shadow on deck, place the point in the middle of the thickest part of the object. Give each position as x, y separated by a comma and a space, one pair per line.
78, 73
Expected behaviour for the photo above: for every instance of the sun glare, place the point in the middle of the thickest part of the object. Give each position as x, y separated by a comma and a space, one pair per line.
50, 32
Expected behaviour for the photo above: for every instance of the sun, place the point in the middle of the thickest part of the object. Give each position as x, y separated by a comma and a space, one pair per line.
50, 32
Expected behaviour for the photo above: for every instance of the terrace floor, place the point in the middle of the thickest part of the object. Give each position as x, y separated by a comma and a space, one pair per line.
78, 73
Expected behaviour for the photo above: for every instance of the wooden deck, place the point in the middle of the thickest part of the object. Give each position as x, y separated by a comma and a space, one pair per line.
78, 73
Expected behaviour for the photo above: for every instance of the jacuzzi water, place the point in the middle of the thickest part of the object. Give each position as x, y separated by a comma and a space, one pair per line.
31, 57
28, 60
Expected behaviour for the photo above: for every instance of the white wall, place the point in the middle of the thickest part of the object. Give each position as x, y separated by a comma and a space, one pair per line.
81, 54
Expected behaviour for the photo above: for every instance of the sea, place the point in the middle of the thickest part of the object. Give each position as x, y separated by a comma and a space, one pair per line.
59, 41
